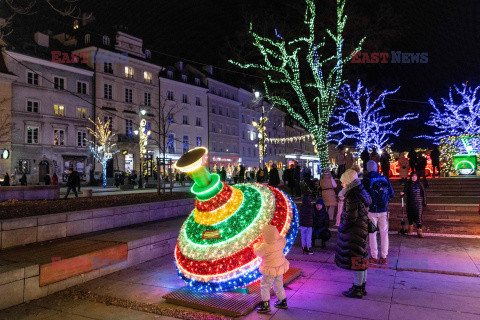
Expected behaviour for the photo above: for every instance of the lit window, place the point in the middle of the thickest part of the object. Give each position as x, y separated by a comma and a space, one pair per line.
128, 72
58, 137
81, 139
59, 110
82, 113
32, 78
32, 106
171, 143
170, 118
147, 77
128, 127
199, 141
32, 135
59, 83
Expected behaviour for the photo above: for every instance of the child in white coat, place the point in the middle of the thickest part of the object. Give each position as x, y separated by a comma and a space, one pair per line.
274, 266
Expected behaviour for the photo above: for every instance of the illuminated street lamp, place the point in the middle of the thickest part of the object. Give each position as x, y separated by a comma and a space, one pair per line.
261, 129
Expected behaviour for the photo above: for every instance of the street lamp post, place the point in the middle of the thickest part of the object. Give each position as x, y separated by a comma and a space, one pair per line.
261, 132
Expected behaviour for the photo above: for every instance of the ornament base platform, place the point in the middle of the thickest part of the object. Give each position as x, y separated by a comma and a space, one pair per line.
231, 304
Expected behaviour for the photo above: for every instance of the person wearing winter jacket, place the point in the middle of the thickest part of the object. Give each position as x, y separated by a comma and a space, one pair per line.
435, 156
351, 250
321, 222
381, 192
274, 178
306, 224
412, 158
273, 267
416, 199
404, 166
365, 156
385, 163
421, 168
328, 186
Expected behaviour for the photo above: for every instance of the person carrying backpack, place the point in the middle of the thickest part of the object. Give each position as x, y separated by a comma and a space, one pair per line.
381, 192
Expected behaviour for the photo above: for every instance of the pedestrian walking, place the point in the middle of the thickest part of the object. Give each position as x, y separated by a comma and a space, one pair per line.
435, 156
421, 169
381, 192
289, 177
241, 174
23, 180
412, 159
341, 162
351, 250
6, 180
306, 224
416, 199
321, 223
385, 163
328, 186
72, 183
223, 174
274, 178
273, 267
404, 167
365, 156
54, 179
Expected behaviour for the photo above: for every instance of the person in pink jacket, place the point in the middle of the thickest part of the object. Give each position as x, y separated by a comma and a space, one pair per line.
273, 267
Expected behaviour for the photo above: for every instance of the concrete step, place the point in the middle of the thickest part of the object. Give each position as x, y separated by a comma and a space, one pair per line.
40, 269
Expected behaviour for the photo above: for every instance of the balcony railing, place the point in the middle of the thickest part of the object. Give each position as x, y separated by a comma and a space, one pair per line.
128, 138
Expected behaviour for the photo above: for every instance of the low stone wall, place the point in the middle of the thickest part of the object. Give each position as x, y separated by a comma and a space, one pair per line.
29, 192
21, 231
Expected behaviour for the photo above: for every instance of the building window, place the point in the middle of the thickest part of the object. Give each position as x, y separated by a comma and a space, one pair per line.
59, 83
110, 122
184, 98
197, 101
128, 127
197, 81
171, 143
214, 129
107, 91
128, 95
214, 109
128, 72
184, 77
106, 40
32, 135
82, 113
32, 106
185, 119
86, 39
243, 135
81, 139
227, 112
32, 78
185, 144
59, 110
107, 67
199, 141
220, 128
147, 77
219, 92
170, 118
82, 87
214, 145
220, 111
170, 95
198, 122
147, 99
170, 74
227, 129
58, 137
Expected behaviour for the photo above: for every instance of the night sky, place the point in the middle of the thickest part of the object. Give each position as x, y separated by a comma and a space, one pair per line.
212, 31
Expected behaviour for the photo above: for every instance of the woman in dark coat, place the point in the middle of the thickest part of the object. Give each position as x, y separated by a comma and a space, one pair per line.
416, 199
274, 178
351, 251
321, 222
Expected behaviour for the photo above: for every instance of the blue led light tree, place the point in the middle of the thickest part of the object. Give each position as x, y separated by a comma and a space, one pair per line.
359, 118
455, 119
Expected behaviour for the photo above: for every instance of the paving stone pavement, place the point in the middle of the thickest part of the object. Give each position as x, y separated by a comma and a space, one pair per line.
445, 289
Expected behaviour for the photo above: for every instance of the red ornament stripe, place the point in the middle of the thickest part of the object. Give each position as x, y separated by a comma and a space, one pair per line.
216, 202
239, 258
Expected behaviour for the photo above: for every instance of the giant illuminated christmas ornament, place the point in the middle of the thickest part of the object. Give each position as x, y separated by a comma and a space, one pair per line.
214, 252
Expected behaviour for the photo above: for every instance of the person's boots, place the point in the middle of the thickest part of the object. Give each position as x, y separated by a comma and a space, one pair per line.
309, 251
420, 233
410, 229
264, 307
281, 304
354, 292
305, 250
364, 291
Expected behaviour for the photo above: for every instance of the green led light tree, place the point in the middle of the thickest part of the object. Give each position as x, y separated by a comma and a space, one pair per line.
308, 69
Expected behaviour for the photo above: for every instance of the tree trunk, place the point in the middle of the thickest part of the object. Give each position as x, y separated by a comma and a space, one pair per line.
322, 150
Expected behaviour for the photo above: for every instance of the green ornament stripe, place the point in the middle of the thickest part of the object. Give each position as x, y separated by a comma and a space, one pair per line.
227, 246
231, 226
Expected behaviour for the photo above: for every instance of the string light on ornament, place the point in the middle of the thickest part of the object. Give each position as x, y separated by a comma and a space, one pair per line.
282, 61
305, 137
220, 214
359, 119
